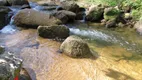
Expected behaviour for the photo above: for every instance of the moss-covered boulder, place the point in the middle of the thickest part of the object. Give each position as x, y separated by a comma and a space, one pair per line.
111, 13
95, 13
74, 46
55, 31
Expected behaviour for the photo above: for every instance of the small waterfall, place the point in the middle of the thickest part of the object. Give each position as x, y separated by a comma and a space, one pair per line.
94, 34
108, 38
11, 28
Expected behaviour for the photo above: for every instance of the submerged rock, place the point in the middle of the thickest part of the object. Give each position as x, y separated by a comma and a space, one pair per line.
74, 46
55, 31
32, 19
4, 16
10, 66
65, 16
95, 13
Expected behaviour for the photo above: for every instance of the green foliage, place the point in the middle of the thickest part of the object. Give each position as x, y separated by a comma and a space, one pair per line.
136, 5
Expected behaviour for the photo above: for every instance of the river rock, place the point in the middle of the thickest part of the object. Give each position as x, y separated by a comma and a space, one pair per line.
32, 19
111, 13
95, 13
4, 16
17, 2
55, 31
69, 6
138, 27
10, 66
74, 46
65, 16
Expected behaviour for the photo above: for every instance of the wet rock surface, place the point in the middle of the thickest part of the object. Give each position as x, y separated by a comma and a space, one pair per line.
10, 66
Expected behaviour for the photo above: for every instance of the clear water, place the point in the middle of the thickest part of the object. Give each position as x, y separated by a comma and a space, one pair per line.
119, 53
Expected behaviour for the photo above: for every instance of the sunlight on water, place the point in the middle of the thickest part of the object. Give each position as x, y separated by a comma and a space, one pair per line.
94, 34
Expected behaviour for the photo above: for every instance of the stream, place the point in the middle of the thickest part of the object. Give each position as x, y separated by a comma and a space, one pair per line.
119, 52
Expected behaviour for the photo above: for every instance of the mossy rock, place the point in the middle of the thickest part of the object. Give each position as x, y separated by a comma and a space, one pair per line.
55, 31
75, 47
111, 13
95, 13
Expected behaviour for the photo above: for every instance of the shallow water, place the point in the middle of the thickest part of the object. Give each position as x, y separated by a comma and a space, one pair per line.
118, 54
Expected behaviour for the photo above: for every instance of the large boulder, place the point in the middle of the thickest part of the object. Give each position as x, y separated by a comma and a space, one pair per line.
4, 16
56, 31
65, 16
138, 27
111, 13
70, 6
17, 2
32, 19
3, 2
10, 66
95, 13
74, 46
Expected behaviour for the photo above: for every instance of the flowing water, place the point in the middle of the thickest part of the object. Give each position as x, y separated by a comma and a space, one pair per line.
119, 53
